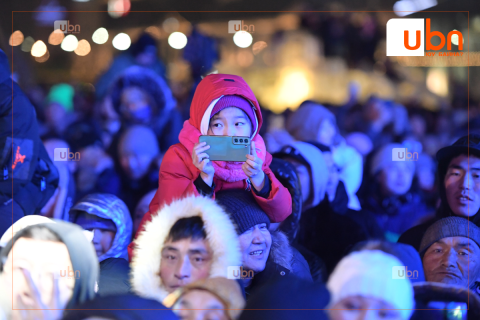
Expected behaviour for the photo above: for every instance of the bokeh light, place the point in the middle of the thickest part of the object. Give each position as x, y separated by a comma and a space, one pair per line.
177, 40
16, 38
121, 41
39, 48
170, 25
242, 39
56, 38
43, 58
118, 8
258, 47
437, 81
27, 44
70, 43
455, 38
294, 87
83, 48
100, 36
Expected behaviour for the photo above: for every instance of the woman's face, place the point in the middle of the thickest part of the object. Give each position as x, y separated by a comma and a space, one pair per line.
326, 132
363, 308
39, 264
230, 121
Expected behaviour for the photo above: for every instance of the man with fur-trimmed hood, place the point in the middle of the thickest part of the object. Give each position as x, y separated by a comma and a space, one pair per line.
188, 240
266, 255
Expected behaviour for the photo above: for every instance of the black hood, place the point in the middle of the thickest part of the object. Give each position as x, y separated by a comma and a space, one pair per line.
4, 67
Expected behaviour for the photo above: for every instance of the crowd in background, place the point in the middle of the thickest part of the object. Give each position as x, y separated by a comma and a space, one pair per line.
317, 217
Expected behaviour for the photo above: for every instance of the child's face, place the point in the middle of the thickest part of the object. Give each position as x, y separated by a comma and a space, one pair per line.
230, 121
102, 241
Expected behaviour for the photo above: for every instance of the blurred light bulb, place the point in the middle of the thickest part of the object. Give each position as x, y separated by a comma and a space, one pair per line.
177, 40
27, 44
16, 38
43, 58
70, 43
56, 38
100, 36
39, 49
121, 41
83, 48
242, 39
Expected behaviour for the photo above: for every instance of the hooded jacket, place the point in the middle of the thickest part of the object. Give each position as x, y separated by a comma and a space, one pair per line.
221, 236
82, 256
108, 206
177, 172
29, 176
284, 261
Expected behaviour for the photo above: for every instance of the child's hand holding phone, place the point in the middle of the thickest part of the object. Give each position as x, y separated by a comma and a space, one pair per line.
253, 169
201, 160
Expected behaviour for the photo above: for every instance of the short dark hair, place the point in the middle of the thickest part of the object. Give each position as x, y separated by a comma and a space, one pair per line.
185, 228
39, 233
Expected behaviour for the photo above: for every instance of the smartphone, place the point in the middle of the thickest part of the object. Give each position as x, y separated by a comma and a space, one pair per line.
227, 148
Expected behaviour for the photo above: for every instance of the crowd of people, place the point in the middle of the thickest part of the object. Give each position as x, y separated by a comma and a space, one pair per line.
112, 209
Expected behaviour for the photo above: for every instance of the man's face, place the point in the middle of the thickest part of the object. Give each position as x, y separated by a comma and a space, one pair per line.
102, 240
185, 261
255, 244
200, 305
36, 264
333, 176
450, 259
396, 178
362, 308
462, 185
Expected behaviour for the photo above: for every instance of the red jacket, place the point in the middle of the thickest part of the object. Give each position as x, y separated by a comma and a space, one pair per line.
177, 172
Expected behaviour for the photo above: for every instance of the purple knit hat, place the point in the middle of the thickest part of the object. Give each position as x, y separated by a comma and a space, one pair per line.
238, 102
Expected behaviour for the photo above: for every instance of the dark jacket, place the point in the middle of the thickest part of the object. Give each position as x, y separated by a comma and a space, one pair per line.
283, 261
120, 307
364, 218
114, 277
285, 173
396, 214
23, 157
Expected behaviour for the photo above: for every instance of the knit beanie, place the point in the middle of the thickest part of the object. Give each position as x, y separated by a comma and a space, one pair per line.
384, 156
226, 290
242, 208
238, 102
369, 273
449, 227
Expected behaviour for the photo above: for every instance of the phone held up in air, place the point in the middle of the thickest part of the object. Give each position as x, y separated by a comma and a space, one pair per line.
227, 148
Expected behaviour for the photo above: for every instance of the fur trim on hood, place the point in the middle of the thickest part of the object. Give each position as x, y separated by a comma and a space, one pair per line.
221, 236
281, 252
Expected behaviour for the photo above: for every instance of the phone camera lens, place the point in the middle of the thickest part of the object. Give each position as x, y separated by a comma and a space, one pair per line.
241, 140
236, 140
246, 140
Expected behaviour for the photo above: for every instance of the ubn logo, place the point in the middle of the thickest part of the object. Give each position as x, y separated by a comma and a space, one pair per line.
237, 25
402, 154
239, 273
402, 272
64, 26
69, 274
413, 32
64, 154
